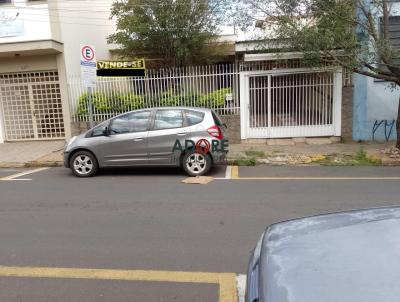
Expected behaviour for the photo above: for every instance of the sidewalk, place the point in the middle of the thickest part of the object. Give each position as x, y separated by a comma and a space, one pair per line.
49, 153
299, 154
348, 148
38, 153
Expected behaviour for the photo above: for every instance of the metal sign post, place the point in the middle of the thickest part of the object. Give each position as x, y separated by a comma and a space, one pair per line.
88, 75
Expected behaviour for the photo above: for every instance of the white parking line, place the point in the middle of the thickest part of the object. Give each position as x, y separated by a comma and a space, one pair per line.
16, 179
15, 176
228, 172
241, 287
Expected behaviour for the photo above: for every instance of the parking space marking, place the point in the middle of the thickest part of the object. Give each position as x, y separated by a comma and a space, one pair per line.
235, 175
14, 176
235, 172
241, 287
228, 172
23, 179
226, 281
319, 178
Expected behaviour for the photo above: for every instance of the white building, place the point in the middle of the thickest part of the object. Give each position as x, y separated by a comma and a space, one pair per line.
39, 49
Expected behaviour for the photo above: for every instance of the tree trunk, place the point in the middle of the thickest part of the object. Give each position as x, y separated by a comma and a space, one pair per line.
398, 126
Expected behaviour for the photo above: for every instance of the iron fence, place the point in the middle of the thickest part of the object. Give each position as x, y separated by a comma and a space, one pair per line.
214, 86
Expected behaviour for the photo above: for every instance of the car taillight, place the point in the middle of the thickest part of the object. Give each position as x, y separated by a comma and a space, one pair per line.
215, 131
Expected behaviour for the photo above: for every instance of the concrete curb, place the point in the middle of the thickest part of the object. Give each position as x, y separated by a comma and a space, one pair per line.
31, 164
11, 165
301, 160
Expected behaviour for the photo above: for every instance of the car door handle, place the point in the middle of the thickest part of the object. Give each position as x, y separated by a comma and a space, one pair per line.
138, 139
182, 133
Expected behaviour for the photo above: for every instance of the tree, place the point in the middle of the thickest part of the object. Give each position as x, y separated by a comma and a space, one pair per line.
178, 32
354, 34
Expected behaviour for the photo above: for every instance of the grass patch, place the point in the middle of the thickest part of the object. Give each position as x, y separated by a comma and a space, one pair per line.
245, 161
254, 153
360, 158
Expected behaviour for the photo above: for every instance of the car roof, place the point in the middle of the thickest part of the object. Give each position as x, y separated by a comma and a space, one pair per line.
183, 107
347, 256
205, 110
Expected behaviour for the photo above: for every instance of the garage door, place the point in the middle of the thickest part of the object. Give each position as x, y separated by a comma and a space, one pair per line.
31, 106
301, 103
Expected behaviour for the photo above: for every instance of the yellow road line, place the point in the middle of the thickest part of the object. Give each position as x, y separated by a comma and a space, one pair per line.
320, 178
235, 172
13, 176
226, 281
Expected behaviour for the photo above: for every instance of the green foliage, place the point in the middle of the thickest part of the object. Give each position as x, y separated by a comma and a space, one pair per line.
353, 34
167, 98
362, 158
244, 161
113, 102
255, 153
130, 101
176, 31
214, 99
119, 102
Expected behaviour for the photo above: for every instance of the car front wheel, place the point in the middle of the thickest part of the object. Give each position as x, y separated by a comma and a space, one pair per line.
84, 164
196, 163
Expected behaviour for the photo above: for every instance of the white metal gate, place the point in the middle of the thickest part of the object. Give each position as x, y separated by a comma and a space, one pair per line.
31, 106
291, 103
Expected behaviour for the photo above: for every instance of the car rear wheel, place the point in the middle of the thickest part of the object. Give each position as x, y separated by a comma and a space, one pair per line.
196, 163
84, 164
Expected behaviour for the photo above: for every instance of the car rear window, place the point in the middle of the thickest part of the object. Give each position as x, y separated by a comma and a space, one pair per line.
217, 120
194, 117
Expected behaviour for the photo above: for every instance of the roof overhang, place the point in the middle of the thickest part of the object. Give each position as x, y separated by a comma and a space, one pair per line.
30, 48
258, 45
273, 56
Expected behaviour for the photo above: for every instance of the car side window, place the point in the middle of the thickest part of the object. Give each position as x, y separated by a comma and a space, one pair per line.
99, 130
131, 122
194, 117
168, 119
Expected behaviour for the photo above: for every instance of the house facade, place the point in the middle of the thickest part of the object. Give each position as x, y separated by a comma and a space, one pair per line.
282, 98
375, 102
39, 49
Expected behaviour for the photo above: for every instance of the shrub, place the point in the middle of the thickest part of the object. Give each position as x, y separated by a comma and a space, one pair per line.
215, 99
103, 103
167, 99
129, 101
100, 102
119, 102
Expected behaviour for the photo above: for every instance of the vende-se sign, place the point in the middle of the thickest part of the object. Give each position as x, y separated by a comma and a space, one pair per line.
134, 68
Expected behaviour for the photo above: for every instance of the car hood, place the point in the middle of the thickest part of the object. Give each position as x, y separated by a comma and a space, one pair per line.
346, 257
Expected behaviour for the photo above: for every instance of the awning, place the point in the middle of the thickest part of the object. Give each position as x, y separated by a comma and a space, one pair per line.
30, 48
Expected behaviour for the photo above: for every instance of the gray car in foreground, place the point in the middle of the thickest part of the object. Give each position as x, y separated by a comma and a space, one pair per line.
343, 257
192, 138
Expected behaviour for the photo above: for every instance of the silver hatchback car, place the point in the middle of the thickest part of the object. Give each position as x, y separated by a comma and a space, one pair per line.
192, 138
347, 256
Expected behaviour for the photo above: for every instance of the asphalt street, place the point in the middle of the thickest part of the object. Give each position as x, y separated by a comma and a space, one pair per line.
147, 220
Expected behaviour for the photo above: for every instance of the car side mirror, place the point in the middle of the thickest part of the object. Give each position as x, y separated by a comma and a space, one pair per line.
106, 131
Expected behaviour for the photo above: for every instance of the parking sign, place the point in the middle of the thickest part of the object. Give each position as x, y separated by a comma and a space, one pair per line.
88, 65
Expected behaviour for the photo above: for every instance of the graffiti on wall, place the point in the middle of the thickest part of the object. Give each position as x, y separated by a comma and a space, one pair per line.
386, 125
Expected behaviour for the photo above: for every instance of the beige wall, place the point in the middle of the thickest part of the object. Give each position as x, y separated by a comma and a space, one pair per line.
26, 64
